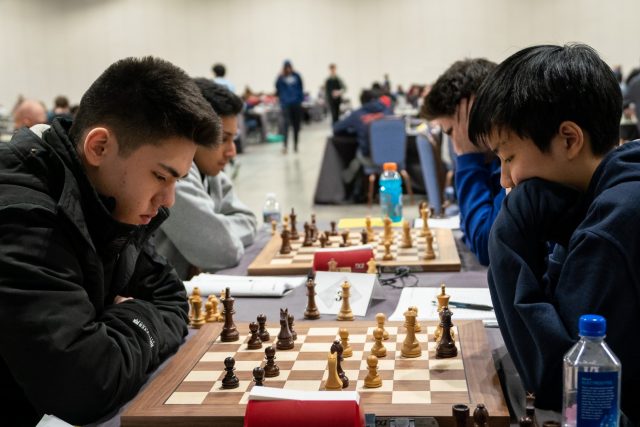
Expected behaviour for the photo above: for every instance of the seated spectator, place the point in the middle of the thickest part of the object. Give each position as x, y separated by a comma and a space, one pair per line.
209, 226
27, 113
357, 123
477, 176
61, 109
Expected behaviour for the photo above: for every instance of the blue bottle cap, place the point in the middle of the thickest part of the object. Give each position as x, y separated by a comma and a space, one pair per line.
592, 325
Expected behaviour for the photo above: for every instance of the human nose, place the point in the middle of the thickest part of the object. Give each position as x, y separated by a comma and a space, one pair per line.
231, 150
505, 177
167, 196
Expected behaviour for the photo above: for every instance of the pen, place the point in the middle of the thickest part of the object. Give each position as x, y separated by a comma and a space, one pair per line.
469, 306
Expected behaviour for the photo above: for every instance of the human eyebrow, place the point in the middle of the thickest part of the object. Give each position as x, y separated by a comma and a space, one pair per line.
172, 171
496, 150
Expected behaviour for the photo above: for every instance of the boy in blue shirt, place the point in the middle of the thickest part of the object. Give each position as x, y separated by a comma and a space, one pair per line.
551, 114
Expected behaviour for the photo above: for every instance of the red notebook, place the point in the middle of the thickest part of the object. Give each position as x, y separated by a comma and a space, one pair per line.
347, 259
309, 413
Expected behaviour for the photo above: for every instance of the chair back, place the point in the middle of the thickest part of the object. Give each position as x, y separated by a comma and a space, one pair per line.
430, 173
633, 94
388, 141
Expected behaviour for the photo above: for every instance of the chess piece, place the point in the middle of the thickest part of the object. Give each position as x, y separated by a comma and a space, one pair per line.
460, 413
285, 340
286, 244
262, 329
258, 375
480, 416
345, 239
333, 380
294, 232
372, 266
418, 327
407, 242
388, 231
195, 294
230, 380
311, 312
209, 310
364, 237
378, 348
198, 319
446, 346
254, 342
424, 214
229, 331
345, 309
528, 419
334, 231
369, 228
336, 347
380, 318
443, 301
347, 351
274, 227
294, 334
307, 236
314, 228
214, 315
285, 223
324, 240
410, 345
387, 251
270, 368
429, 253
372, 380
333, 265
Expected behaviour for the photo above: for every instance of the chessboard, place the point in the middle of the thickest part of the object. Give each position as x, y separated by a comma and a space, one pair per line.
270, 262
188, 390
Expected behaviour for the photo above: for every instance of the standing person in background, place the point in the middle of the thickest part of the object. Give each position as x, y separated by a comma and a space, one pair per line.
334, 88
289, 91
477, 176
219, 71
209, 226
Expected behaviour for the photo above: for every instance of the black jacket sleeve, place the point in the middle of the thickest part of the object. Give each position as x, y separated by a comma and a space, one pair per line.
69, 362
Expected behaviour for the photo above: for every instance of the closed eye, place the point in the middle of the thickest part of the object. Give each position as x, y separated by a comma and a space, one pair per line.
160, 177
508, 159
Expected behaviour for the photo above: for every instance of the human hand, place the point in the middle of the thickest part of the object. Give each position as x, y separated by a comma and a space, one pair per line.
460, 129
118, 299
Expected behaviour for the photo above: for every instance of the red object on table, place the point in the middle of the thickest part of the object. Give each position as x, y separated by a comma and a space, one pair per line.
354, 258
308, 413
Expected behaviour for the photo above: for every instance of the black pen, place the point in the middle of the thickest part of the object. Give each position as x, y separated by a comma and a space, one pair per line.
469, 306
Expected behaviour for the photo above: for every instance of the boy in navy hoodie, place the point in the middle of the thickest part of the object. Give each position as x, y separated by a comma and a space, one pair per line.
551, 114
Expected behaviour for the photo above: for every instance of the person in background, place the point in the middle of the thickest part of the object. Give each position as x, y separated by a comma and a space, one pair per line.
61, 109
572, 185
92, 308
27, 113
289, 89
334, 89
477, 172
209, 226
219, 72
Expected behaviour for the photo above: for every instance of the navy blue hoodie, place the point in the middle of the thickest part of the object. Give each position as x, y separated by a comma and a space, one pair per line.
594, 269
358, 123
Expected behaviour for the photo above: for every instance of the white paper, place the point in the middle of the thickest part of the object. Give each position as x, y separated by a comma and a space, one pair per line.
363, 288
51, 421
452, 222
244, 286
271, 393
426, 301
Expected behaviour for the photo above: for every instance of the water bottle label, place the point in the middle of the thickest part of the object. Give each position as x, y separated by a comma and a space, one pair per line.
597, 399
267, 217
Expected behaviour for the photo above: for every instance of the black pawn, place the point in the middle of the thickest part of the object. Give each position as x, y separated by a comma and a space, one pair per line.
254, 341
230, 380
480, 416
258, 375
333, 232
364, 237
262, 331
271, 369
345, 239
294, 334
336, 347
446, 346
460, 413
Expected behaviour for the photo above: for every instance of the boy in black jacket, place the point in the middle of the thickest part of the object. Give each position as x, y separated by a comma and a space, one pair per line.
88, 309
551, 113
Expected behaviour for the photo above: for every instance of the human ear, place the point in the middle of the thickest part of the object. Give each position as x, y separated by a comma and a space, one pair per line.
573, 139
96, 145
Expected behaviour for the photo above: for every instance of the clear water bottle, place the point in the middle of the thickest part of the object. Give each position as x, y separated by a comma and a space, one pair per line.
271, 209
591, 378
391, 192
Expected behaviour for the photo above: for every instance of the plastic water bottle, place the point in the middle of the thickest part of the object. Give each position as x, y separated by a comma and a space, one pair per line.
271, 209
591, 378
391, 192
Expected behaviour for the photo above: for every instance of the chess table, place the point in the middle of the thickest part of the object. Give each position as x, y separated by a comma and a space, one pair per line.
188, 391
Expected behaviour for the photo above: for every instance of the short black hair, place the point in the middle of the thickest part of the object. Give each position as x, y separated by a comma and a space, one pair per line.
534, 90
461, 80
224, 102
219, 70
367, 95
145, 101
61, 101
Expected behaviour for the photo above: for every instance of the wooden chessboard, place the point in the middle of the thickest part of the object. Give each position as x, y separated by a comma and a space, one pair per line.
271, 262
188, 390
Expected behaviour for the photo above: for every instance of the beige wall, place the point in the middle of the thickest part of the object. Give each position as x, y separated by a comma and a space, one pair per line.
52, 47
